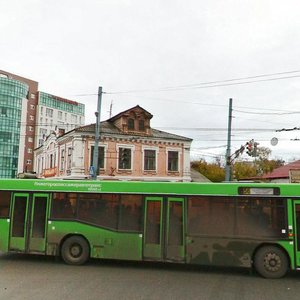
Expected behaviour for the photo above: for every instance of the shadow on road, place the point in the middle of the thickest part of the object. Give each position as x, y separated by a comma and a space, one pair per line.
145, 265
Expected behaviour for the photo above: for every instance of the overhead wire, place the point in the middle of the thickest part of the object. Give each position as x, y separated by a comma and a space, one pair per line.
212, 84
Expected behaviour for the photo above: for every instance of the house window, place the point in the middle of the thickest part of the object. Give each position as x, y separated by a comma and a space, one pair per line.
62, 159
124, 158
173, 161
31, 118
32, 106
100, 156
60, 115
69, 161
28, 162
130, 124
150, 160
29, 150
51, 160
141, 125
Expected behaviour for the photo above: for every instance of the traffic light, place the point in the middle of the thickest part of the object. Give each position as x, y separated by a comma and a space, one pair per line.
250, 147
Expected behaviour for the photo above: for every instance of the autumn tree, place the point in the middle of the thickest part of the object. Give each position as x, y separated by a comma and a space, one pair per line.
258, 166
241, 169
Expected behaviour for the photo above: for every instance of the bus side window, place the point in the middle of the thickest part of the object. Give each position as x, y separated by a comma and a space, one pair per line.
4, 203
130, 218
64, 205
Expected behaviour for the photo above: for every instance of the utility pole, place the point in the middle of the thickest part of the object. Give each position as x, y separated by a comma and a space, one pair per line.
95, 165
228, 162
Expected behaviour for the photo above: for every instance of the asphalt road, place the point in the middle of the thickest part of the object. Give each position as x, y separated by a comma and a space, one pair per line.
34, 277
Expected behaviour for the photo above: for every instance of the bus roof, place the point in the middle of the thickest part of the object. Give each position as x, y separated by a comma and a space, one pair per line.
170, 188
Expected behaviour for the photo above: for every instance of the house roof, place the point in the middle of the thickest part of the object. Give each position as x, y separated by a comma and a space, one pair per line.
282, 172
107, 127
198, 177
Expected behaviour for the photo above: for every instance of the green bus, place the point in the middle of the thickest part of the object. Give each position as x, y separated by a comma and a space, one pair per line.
229, 224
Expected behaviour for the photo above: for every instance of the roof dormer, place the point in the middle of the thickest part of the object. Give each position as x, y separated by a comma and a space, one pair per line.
135, 120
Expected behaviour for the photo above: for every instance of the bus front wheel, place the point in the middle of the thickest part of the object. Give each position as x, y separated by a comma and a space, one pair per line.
75, 250
271, 262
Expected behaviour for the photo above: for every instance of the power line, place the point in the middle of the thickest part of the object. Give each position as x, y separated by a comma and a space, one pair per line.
262, 113
217, 129
219, 83
207, 84
210, 104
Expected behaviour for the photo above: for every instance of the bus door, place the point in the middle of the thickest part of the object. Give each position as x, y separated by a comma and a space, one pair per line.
175, 229
297, 231
153, 228
164, 229
28, 222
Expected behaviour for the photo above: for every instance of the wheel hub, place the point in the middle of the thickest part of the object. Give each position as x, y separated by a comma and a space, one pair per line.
272, 262
75, 250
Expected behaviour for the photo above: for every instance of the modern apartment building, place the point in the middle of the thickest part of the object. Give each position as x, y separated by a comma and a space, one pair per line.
20, 126
56, 114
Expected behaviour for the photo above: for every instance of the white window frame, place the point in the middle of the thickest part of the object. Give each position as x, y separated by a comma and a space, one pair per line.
179, 150
126, 146
105, 146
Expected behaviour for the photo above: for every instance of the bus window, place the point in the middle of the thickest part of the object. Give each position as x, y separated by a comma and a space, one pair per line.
153, 222
4, 203
99, 209
175, 224
210, 215
260, 216
130, 213
64, 205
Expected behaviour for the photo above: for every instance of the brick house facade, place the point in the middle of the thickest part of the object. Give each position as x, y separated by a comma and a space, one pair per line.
129, 149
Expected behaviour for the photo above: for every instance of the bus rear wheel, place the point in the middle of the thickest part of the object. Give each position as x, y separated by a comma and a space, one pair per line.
75, 250
271, 262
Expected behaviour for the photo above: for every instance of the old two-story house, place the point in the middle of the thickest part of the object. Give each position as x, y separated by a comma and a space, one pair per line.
129, 149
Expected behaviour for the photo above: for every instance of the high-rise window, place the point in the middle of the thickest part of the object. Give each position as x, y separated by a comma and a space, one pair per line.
49, 112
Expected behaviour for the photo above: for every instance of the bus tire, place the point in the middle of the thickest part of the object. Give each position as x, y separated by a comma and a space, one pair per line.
75, 250
271, 262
